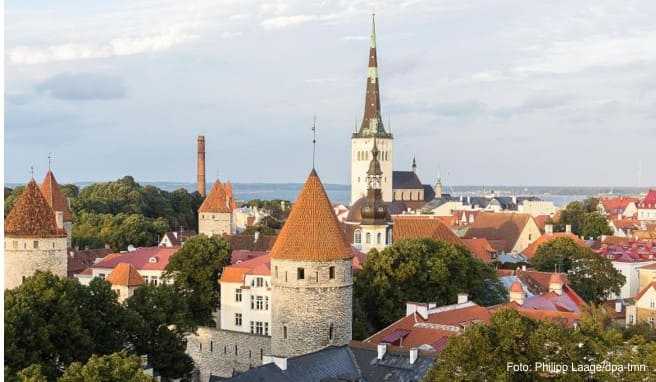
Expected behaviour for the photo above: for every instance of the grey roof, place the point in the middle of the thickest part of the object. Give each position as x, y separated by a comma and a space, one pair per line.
429, 192
505, 202
354, 363
403, 180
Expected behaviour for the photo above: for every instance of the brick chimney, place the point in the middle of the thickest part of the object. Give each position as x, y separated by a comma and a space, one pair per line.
201, 165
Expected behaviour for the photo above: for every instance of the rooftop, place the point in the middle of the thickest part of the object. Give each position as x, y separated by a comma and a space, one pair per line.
501, 229
54, 196
31, 216
142, 258
125, 274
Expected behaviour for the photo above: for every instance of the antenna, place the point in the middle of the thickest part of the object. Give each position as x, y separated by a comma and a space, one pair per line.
51, 158
314, 140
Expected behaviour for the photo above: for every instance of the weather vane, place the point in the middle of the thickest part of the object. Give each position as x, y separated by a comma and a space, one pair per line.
314, 140
32, 171
51, 158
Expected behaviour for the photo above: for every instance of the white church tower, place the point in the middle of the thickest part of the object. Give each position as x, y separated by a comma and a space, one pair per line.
362, 141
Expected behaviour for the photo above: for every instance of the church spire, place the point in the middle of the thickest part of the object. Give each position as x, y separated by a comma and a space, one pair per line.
372, 122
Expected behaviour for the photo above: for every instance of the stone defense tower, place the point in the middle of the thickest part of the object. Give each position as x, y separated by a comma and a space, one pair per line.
215, 214
59, 204
311, 277
362, 141
201, 165
32, 239
376, 222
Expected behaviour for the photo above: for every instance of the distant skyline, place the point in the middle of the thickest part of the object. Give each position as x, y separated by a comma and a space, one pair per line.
496, 93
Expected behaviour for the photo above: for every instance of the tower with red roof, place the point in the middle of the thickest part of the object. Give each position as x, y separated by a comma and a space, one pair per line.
215, 215
33, 239
59, 204
311, 275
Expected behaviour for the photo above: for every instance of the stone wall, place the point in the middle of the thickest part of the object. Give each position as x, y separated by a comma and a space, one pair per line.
22, 259
223, 352
308, 311
215, 223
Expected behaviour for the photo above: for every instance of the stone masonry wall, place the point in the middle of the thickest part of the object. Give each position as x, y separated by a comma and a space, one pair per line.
22, 259
307, 308
215, 223
223, 352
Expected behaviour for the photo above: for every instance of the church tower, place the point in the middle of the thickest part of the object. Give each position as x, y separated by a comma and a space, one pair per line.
375, 225
311, 278
362, 141
59, 204
215, 215
34, 239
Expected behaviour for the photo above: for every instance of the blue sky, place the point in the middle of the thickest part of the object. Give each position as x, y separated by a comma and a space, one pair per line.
491, 92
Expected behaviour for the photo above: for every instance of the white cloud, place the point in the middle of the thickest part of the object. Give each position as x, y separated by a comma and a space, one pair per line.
122, 46
286, 21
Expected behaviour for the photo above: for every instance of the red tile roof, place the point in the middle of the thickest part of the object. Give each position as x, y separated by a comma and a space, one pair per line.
260, 265
530, 251
617, 205
148, 258
312, 232
31, 216
649, 200
626, 223
423, 227
517, 287
79, 260
54, 196
415, 331
481, 248
125, 274
501, 229
219, 200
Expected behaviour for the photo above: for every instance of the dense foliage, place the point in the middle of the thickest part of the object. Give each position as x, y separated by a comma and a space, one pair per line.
484, 352
419, 270
195, 270
51, 322
584, 218
592, 276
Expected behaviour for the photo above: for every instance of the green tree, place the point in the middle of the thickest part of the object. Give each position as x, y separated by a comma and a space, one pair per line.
595, 225
118, 231
69, 190
34, 373
12, 197
158, 308
195, 270
421, 270
117, 367
556, 254
593, 277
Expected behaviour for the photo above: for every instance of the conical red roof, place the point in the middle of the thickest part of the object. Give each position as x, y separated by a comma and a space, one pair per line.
54, 197
312, 232
32, 216
517, 287
218, 200
125, 274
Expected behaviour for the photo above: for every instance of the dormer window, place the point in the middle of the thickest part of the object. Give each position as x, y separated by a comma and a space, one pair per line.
152, 259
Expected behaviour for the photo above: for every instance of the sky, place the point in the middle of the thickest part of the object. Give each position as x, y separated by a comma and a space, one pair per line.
507, 92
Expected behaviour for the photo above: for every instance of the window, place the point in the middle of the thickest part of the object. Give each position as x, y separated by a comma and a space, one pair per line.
145, 279
237, 319
261, 353
211, 346
368, 237
259, 281
379, 238
266, 303
238, 294
252, 302
101, 275
118, 292
316, 276
258, 327
259, 303
285, 276
35, 244
200, 346
15, 244
153, 280
225, 349
331, 273
529, 237
276, 271
652, 304
53, 245
266, 328
284, 331
252, 327
236, 350
331, 331
300, 274
357, 236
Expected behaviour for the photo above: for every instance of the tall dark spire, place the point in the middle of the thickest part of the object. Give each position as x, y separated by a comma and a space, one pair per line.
372, 122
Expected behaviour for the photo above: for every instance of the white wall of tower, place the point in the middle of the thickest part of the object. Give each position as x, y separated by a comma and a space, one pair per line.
360, 159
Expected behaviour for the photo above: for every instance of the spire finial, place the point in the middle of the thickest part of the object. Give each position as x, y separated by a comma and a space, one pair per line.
32, 172
51, 158
314, 140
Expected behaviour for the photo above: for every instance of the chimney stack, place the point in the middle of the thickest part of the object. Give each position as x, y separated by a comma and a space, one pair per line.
201, 165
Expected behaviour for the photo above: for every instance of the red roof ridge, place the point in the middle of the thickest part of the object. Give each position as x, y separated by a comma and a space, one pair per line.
312, 231
219, 200
125, 274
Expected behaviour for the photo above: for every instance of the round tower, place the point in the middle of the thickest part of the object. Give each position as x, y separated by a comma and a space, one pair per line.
312, 280
32, 239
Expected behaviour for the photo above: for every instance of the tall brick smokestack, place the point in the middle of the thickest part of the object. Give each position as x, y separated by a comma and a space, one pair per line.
201, 165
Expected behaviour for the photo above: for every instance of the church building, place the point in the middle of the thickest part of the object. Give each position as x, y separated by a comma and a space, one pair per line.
394, 185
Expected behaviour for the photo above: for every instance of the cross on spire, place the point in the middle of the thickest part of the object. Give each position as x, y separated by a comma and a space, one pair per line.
314, 140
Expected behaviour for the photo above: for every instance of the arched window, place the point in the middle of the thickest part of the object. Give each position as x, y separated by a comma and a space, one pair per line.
368, 238
357, 236
379, 238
